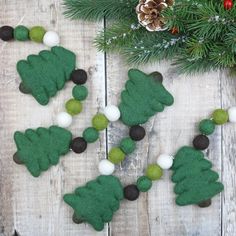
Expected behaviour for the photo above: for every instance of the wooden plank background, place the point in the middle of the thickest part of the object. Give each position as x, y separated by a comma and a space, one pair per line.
30, 206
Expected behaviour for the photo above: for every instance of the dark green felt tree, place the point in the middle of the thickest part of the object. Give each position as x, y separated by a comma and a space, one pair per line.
44, 74
39, 149
97, 201
142, 98
194, 179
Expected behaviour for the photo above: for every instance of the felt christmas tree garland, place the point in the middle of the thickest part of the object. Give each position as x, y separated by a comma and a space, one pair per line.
144, 95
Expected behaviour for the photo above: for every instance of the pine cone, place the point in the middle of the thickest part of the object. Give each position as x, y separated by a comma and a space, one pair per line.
149, 13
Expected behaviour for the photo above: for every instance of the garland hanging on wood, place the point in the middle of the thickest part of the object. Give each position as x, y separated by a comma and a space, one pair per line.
198, 36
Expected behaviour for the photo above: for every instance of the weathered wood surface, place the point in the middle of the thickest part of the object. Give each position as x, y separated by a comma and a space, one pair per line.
32, 206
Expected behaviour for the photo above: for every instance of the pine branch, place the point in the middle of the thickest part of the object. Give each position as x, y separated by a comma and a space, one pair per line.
153, 47
97, 10
119, 35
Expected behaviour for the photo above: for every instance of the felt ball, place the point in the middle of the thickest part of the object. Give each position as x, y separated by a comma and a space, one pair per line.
78, 145
112, 113
207, 126
116, 155
204, 204
77, 220
80, 92
24, 89
64, 119
127, 145
16, 159
131, 192
201, 142
21, 33
137, 133
144, 184
220, 116
79, 76
106, 167
100, 122
154, 172
51, 39
157, 76
37, 33
90, 135
165, 161
73, 107
6, 33
232, 114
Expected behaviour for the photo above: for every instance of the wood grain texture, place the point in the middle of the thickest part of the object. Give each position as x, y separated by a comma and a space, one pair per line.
35, 207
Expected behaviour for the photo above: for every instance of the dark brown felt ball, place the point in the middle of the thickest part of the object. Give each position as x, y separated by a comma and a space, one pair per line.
137, 132
16, 159
157, 76
78, 145
131, 192
6, 33
201, 142
79, 76
76, 220
204, 204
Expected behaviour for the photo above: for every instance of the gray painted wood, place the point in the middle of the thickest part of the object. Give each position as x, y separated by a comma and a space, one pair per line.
35, 207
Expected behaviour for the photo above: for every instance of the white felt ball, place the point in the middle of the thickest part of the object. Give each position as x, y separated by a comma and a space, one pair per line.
165, 161
106, 167
51, 39
64, 119
232, 114
112, 113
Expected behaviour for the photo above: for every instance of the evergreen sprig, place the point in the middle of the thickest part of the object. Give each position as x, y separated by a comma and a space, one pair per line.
206, 39
96, 10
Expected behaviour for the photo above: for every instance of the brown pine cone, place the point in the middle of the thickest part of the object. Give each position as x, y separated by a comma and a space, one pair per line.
149, 13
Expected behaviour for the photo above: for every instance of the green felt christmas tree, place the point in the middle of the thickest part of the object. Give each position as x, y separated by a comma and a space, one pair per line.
44, 74
142, 98
194, 179
97, 201
39, 149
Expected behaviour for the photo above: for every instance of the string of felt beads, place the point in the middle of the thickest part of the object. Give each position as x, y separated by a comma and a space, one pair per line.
36, 34
74, 106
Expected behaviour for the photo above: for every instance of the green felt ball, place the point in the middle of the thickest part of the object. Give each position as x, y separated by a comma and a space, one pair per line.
100, 122
90, 135
80, 92
154, 172
220, 116
116, 155
144, 184
21, 33
36, 34
127, 145
207, 126
73, 107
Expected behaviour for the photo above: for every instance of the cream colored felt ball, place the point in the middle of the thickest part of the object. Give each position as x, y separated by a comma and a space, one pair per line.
165, 161
112, 113
106, 167
51, 39
64, 119
232, 114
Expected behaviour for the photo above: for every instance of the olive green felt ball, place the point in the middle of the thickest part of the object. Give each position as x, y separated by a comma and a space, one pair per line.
144, 184
220, 116
21, 33
207, 127
116, 155
90, 135
154, 172
100, 122
73, 107
127, 145
36, 34
80, 92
